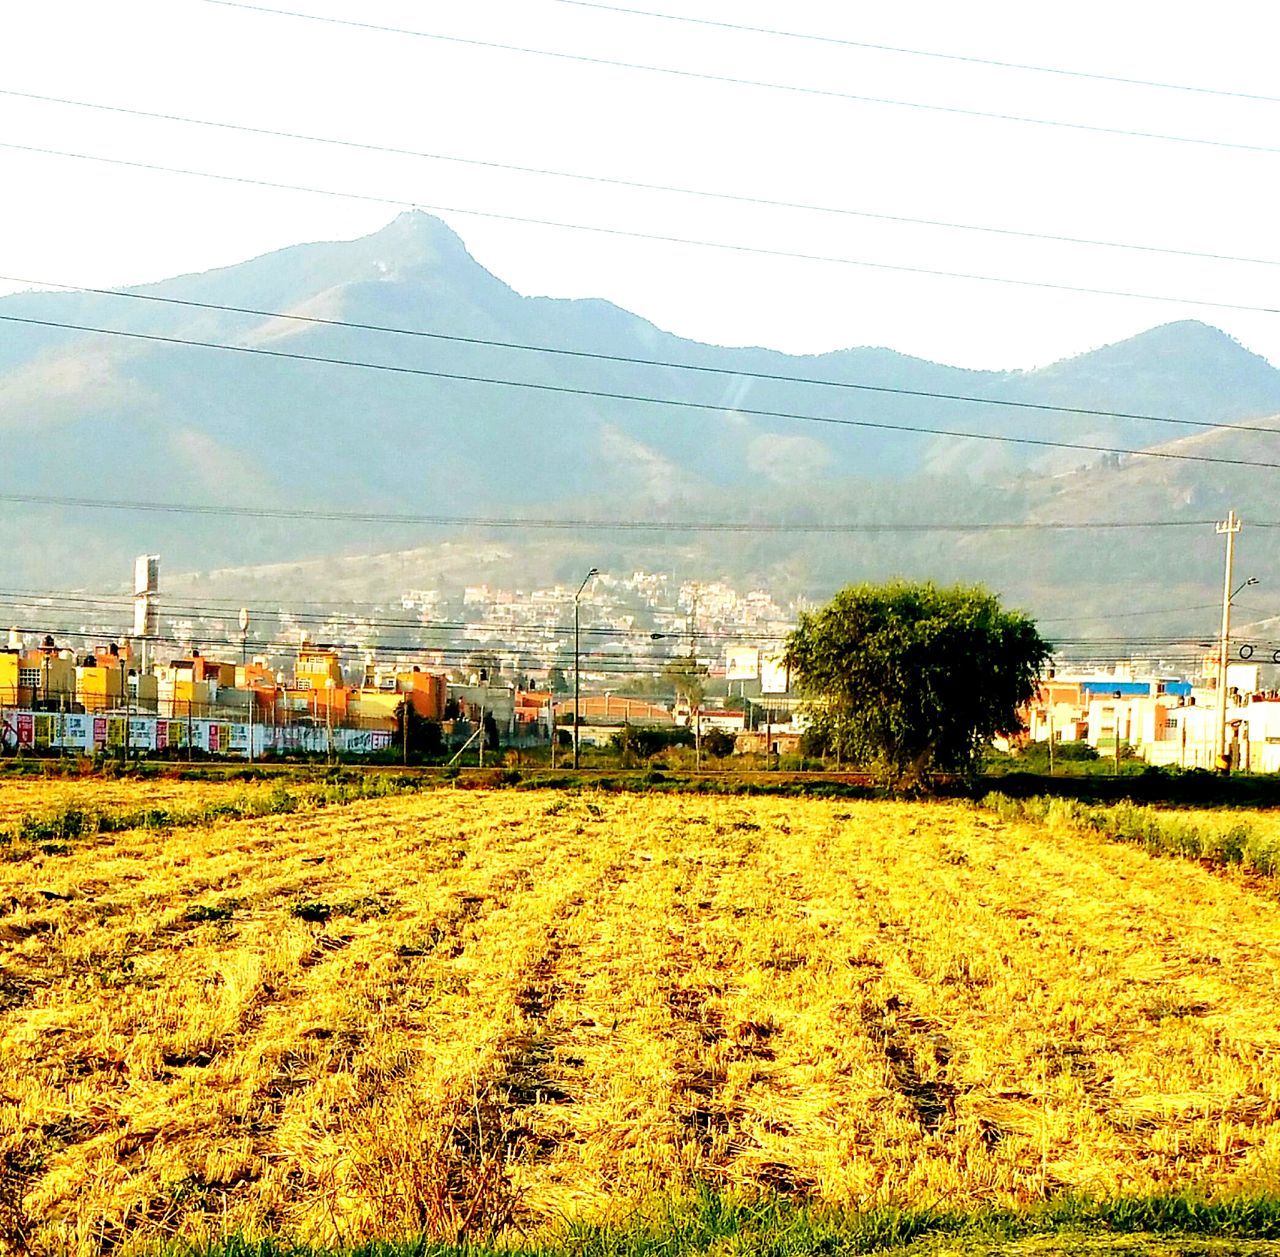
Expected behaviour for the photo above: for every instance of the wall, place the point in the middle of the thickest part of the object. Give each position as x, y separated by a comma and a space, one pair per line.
87, 732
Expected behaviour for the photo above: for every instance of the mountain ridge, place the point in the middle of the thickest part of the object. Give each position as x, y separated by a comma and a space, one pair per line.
93, 417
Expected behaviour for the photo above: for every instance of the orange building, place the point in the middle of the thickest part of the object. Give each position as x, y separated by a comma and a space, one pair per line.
531, 706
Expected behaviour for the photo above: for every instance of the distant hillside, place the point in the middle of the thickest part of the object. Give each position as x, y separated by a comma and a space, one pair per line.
87, 415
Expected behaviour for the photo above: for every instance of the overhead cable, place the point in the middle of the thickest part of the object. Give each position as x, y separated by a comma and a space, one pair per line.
639, 398
799, 89
623, 233
962, 58
636, 184
732, 373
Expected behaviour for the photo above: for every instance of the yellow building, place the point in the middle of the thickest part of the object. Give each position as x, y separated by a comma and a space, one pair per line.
178, 696
316, 666
99, 688
10, 663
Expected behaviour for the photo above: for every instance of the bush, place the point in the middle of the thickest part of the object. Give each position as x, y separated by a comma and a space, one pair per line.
645, 742
718, 743
1193, 838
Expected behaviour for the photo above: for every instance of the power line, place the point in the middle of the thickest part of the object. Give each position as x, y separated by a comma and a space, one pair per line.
795, 88
450, 654
1126, 615
528, 636
616, 525
536, 632
1114, 650
922, 52
639, 185
640, 398
630, 360
623, 233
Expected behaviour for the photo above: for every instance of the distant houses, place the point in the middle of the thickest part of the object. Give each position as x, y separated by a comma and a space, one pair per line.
1165, 721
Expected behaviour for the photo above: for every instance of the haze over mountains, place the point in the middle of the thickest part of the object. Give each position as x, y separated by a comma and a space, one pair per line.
85, 415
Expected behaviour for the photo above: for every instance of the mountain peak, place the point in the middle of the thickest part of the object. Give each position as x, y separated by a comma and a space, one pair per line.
420, 238
1188, 342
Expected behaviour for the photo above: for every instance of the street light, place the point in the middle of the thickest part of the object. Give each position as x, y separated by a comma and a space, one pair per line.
577, 688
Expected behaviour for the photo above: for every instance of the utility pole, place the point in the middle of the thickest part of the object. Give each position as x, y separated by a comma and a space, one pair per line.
1050, 705
696, 707
1228, 528
577, 664
124, 696
551, 724
328, 719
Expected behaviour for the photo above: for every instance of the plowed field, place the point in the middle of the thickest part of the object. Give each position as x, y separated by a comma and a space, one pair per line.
460, 1009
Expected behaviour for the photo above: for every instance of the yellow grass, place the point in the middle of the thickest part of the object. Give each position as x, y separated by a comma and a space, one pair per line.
30, 796
510, 1007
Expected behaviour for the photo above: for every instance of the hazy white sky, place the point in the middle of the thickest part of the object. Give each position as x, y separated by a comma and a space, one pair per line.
79, 221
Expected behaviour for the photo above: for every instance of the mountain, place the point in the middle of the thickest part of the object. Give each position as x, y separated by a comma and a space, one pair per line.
88, 415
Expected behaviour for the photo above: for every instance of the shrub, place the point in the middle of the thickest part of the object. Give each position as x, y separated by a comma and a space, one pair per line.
1193, 838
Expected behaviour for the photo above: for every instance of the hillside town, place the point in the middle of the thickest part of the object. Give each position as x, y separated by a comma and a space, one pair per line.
649, 651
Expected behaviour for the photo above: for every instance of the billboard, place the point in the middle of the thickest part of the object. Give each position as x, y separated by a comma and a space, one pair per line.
742, 663
774, 675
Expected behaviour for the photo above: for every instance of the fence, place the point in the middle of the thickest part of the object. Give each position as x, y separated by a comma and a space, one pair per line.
87, 733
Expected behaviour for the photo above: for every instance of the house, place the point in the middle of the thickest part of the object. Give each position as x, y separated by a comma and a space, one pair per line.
317, 668
614, 709
496, 701
533, 709
377, 702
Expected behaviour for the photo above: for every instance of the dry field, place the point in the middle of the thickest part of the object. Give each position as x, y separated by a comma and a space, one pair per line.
460, 1009
28, 796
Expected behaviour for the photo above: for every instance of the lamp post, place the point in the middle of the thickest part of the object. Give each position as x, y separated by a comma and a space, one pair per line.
577, 687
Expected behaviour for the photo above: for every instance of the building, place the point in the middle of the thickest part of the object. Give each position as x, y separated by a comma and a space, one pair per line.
614, 710
317, 668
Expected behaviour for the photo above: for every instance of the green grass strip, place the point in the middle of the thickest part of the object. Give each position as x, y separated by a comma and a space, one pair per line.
712, 1222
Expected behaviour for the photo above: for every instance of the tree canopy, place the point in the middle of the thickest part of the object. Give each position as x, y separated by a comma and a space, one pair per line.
687, 677
910, 679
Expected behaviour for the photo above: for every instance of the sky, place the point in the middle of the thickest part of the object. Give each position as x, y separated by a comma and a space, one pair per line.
78, 221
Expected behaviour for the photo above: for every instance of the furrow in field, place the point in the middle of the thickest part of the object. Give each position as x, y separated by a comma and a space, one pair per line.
453, 1010
350, 1011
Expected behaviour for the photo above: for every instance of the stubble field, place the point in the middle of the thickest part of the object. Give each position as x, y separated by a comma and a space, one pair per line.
463, 1011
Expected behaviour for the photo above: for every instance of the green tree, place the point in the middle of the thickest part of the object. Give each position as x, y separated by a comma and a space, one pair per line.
910, 679
687, 677
425, 737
